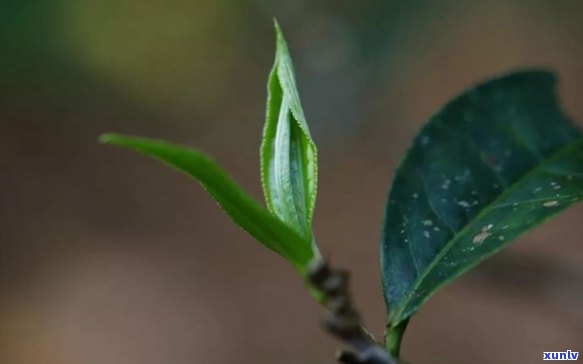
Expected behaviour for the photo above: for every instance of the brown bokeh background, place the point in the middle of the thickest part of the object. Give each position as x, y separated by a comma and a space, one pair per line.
109, 258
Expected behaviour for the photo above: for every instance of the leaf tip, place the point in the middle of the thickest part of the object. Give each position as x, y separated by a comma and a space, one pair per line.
280, 42
118, 140
278, 31
108, 138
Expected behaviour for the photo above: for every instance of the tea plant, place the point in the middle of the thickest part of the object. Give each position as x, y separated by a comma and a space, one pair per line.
496, 161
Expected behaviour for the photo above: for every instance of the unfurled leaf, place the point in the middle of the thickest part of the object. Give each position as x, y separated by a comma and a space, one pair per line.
288, 154
257, 221
493, 163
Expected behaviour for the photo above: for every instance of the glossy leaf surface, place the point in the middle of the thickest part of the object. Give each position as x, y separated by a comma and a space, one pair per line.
254, 219
288, 154
493, 163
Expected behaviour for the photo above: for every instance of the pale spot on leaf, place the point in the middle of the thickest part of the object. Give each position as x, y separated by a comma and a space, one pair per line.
483, 235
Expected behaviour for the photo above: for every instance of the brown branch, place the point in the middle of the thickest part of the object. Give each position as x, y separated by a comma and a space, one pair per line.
343, 320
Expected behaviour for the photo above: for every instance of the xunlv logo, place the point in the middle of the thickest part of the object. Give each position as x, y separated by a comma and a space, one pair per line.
561, 355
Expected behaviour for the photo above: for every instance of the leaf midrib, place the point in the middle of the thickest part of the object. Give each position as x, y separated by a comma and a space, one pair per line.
469, 225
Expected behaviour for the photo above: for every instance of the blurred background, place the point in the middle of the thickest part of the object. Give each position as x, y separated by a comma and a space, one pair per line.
107, 257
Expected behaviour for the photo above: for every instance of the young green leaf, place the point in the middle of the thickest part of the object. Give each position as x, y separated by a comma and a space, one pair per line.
288, 153
254, 219
493, 163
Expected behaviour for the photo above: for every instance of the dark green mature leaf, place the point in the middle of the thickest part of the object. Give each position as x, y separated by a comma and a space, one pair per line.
493, 163
254, 219
288, 154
